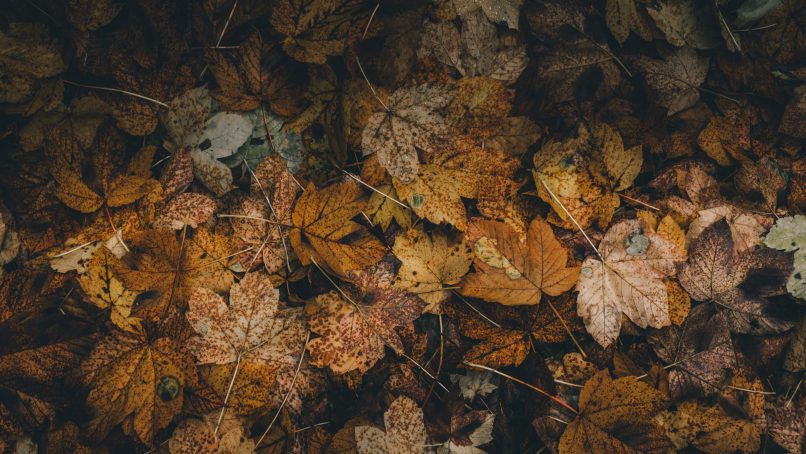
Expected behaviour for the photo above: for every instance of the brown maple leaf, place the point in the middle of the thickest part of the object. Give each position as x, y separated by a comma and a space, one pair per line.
615, 416
515, 271
355, 327
325, 233
715, 271
130, 378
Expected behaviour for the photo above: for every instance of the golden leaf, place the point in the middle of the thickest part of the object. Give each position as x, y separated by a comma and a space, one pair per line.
105, 291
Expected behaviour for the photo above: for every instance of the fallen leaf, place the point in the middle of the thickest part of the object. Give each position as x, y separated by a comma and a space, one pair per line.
430, 264
106, 291
629, 279
405, 432
623, 17
685, 24
789, 234
411, 121
615, 416
676, 79
131, 378
188, 209
515, 271
709, 429
322, 221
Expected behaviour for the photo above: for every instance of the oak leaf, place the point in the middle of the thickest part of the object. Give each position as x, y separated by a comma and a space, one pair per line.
430, 263
615, 416
629, 279
144, 382
517, 271
325, 233
405, 431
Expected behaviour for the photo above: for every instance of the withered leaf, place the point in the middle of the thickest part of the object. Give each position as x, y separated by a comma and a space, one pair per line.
628, 279
615, 416
132, 378
676, 79
324, 231
106, 291
515, 271
405, 431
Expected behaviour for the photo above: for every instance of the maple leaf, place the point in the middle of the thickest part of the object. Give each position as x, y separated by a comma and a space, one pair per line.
354, 329
745, 228
473, 50
131, 378
676, 79
623, 17
321, 28
701, 349
168, 269
412, 120
629, 279
188, 209
684, 24
789, 234
509, 342
430, 263
787, 427
106, 291
405, 431
584, 173
561, 72
615, 416
255, 328
458, 429
709, 429
33, 58
67, 160
714, 272
436, 190
200, 435
323, 227
514, 271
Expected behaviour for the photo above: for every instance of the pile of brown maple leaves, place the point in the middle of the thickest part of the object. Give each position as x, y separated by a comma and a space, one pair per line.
451, 226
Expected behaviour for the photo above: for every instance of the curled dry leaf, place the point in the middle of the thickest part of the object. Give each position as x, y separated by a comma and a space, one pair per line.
629, 279
514, 271
405, 431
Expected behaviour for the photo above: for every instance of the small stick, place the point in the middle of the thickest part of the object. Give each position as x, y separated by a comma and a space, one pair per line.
360, 181
543, 182
288, 393
477, 311
639, 202
62, 254
116, 90
371, 88
229, 392
528, 385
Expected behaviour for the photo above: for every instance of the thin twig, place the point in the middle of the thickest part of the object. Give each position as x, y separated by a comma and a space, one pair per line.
62, 254
229, 393
477, 311
116, 90
371, 88
369, 22
288, 393
567, 383
360, 181
639, 202
528, 385
567, 213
